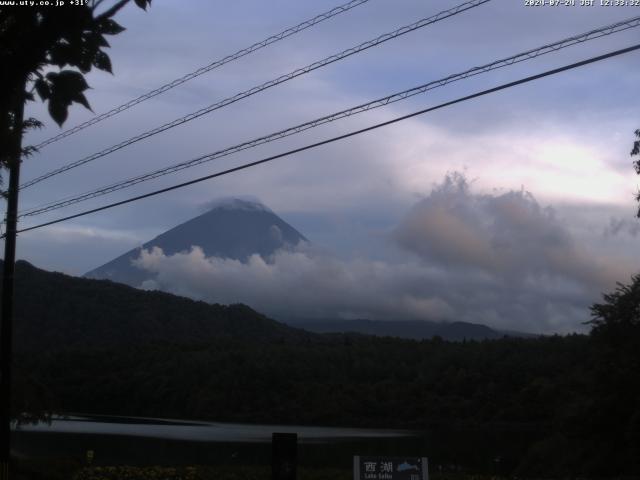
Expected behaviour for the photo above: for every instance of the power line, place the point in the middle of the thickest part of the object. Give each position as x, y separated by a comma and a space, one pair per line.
216, 64
341, 137
520, 57
272, 83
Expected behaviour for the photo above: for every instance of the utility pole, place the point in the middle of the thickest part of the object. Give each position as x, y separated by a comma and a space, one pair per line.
6, 327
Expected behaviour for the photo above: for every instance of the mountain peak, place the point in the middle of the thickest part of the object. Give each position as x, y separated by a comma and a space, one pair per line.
232, 228
237, 203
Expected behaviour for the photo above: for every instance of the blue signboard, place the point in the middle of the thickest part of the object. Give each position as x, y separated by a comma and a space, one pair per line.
390, 468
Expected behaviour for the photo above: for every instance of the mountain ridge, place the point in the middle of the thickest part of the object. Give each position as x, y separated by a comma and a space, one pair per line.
240, 229
56, 311
407, 329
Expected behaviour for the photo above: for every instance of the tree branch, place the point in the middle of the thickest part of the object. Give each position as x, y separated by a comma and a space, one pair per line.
113, 10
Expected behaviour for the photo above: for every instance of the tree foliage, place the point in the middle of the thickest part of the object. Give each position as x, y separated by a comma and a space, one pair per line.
620, 311
635, 151
34, 40
616, 394
44, 50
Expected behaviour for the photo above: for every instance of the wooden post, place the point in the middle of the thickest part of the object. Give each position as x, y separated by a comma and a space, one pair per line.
284, 458
6, 327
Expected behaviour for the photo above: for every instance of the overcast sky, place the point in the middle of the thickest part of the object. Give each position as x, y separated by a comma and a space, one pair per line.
538, 221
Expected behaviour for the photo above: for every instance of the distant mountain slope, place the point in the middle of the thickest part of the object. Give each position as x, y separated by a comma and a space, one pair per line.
55, 311
412, 329
234, 229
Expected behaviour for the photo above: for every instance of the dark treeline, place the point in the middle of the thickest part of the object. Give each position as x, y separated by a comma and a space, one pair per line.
54, 311
541, 389
554, 406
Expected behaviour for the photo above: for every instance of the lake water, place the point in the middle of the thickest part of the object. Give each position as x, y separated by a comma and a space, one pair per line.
148, 441
138, 441
200, 431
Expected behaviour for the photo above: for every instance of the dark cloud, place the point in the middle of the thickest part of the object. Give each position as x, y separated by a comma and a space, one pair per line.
500, 259
508, 235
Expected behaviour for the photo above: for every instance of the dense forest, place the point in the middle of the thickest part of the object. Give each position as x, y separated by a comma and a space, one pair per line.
55, 311
553, 406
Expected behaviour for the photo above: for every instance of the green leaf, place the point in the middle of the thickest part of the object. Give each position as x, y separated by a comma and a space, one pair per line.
102, 61
42, 87
99, 40
29, 151
110, 27
60, 54
65, 87
143, 3
58, 111
81, 99
68, 82
32, 123
84, 62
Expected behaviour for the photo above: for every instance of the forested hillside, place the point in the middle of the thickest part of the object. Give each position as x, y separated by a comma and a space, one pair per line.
54, 311
549, 406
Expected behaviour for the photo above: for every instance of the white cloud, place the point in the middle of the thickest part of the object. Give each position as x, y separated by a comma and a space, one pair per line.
296, 284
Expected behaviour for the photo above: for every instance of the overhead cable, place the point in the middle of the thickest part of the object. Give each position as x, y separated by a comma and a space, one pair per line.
396, 97
272, 83
213, 65
339, 137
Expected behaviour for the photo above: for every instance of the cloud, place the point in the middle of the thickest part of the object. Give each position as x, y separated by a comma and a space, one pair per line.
508, 235
298, 284
619, 226
74, 233
89, 244
243, 202
498, 259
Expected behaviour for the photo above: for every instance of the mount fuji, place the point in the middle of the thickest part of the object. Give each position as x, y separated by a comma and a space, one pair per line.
234, 229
